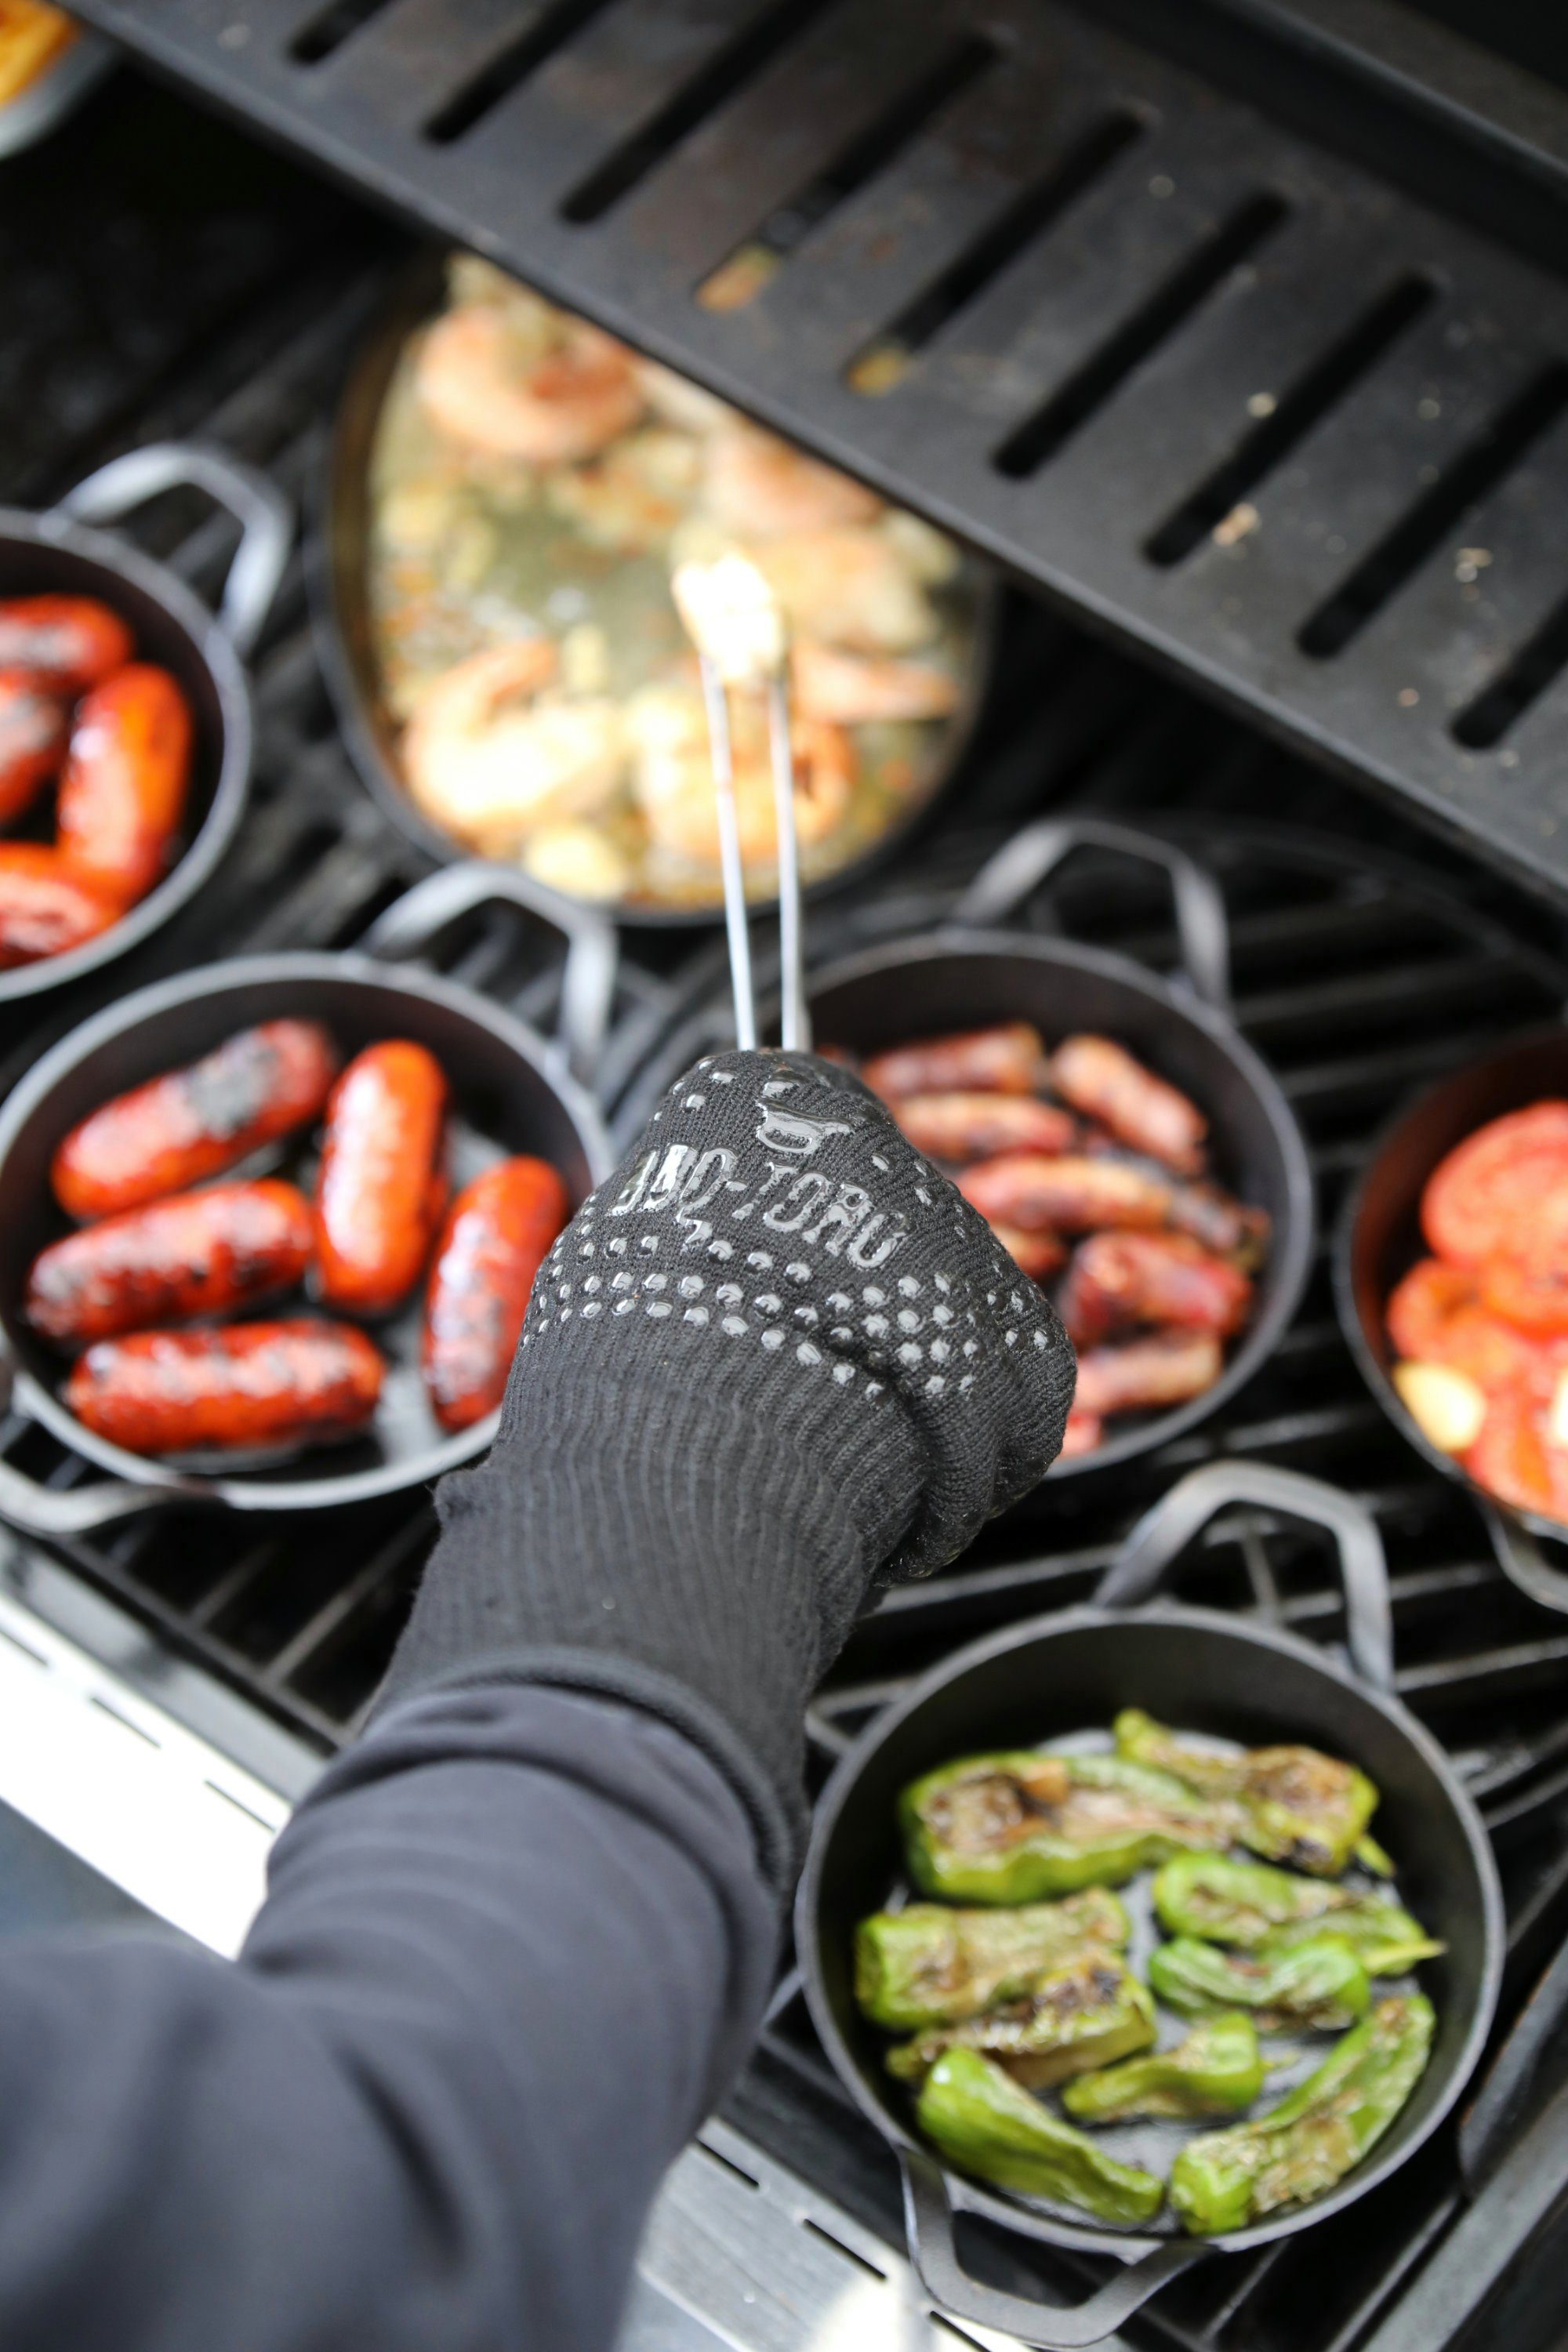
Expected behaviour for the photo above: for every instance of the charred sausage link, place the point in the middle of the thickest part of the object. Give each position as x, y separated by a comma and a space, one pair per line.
500, 1228
1009, 1060
72, 641
1165, 1369
1070, 1195
1104, 1081
1036, 1255
254, 1385
381, 1191
1119, 1280
169, 1133
32, 739
965, 1127
45, 906
200, 1253
123, 790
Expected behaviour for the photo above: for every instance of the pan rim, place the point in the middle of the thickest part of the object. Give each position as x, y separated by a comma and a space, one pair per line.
215, 649
267, 969
971, 2197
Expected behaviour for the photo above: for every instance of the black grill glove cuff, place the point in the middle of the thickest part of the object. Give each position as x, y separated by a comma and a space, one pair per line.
775, 1358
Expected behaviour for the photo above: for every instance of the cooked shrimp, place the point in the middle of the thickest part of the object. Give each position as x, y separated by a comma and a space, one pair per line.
495, 376
488, 756
760, 487
678, 402
580, 859
852, 688
672, 778
848, 588
632, 497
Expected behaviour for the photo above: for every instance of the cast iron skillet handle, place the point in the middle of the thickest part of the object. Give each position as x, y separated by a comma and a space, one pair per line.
1203, 927
588, 980
1166, 1531
1487, 2128
1520, 1558
933, 2250
264, 515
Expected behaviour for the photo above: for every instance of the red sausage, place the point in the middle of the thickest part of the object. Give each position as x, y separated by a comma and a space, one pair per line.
200, 1253
1036, 1255
194, 1122
962, 1127
498, 1230
381, 1191
1009, 1060
254, 1385
1165, 1369
123, 790
45, 906
1084, 1433
74, 641
1119, 1280
1065, 1195
1104, 1081
32, 739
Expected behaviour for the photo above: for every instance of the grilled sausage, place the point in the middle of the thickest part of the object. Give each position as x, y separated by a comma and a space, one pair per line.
200, 1253
45, 906
500, 1228
250, 1386
1120, 1279
73, 641
32, 739
965, 1127
1036, 1255
194, 1122
122, 792
1165, 1369
1065, 1195
1084, 1433
1009, 1060
382, 1193
1104, 1081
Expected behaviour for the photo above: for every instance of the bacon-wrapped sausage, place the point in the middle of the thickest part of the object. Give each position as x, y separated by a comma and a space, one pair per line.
1117, 1280
253, 1385
45, 906
965, 1127
169, 1133
200, 1253
122, 792
1067, 1195
1165, 1369
382, 1189
1104, 1081
72, 641
1009, 1060
1084, 1433
32, 739
498, 1230
1036, 1255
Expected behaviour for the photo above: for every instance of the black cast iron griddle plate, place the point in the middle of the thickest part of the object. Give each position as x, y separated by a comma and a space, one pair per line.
1189, 278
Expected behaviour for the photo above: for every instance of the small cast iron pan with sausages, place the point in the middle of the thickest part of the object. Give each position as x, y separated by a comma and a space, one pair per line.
271, 1341
125, 716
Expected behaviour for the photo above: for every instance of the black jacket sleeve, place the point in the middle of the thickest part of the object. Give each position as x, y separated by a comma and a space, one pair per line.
513, 1946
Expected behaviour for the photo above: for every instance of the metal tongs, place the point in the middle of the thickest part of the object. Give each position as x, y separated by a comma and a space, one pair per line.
733, 620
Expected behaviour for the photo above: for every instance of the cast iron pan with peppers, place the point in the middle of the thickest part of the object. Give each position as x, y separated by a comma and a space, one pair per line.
968, 976
509, 1092
162, 624
1211, 1676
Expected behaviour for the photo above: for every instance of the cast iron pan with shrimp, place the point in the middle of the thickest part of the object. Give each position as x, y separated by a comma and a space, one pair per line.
339, 579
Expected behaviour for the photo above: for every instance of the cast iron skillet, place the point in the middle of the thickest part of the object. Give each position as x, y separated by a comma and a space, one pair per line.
54, 553
510, 1092
1202, 1672
1379, 1239
340, 606
966, 974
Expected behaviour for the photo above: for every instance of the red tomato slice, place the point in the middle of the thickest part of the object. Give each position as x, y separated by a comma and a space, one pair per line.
1512, 1459
1434, 1317
1421, 1306
1529, 1290
1501, 1187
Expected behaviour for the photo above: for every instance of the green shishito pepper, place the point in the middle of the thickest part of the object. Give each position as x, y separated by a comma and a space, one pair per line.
1217, 2070
1320, 1983
984, 2125
1227, 2179
1071, 2019
1259, 1908
1022, 1825
928, 1965
1299, 1805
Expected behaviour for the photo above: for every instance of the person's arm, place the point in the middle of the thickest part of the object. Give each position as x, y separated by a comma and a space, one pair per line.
516, 1944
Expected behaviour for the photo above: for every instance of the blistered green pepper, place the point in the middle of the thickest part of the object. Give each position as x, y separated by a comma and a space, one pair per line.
1228, 2179
1299, 1806
1319, 1983
983, 2123
1217, 2070
928, 1964
1252, 1905
1071, 2019
1022, 1825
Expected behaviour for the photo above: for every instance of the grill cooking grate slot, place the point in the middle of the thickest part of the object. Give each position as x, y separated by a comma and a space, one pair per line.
326, 32
521, 55
1540, 660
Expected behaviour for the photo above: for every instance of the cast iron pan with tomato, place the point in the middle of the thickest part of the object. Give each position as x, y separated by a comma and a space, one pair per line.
509, 1091
1381, 1238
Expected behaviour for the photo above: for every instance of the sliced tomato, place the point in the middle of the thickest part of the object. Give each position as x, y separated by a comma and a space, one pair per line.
1421, 1306
1528, 1289
1436, 1317
1513, 1460
1502, 1186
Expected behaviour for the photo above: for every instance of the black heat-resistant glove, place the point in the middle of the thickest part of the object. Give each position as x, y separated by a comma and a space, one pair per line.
775, 1359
